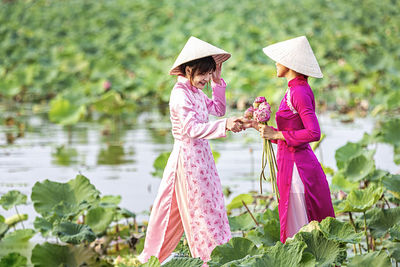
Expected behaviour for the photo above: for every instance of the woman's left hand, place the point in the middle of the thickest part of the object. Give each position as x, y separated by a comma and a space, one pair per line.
216, 75
266, 132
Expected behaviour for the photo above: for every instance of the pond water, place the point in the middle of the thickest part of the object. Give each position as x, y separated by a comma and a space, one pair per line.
123, 164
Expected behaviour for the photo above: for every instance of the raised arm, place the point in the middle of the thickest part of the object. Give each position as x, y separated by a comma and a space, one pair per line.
183, 110
217, 105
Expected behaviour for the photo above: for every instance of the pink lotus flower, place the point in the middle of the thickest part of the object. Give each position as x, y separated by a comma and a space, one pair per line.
106, 85
260, 99
265, 105
248, 114
262, 115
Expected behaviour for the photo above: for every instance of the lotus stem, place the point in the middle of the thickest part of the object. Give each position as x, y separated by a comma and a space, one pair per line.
248, 210
355, 249
23, 226
359, 246
365, 231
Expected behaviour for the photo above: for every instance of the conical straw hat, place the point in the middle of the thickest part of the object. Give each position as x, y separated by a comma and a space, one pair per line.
195, 49
295, 54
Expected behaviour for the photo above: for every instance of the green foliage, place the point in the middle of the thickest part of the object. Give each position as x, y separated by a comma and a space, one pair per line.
57, 255
11, 199
99, 218
339, 231
74, 47
360, 200
379, 220
74, 233
63, 199
159, 164
13, 260
184, 262
236, 248
237, 202
63, 112
373, 259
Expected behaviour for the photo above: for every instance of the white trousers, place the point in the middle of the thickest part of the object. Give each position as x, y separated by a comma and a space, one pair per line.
297, 214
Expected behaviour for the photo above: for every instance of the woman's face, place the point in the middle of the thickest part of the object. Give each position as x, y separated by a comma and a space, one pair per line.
281, 70
199, 80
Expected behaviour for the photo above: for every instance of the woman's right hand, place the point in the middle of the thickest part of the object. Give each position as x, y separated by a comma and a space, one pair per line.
249, 123
234, 124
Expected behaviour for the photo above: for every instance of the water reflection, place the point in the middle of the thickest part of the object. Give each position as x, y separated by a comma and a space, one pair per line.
114, 154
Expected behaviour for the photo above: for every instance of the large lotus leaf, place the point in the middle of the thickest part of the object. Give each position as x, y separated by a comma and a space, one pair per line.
280, 255
372, 259
360, 200
325, 251
43, 225
268, 215
112, 103
47, 254
13, 260
347, 152
360, 167
63, 112
74, 233
99, 218
395, 233
392, 184
334, 229
184, 262
387, 131
242, 222
152, 262
393, 248
236, 248
267, 235
17, 241
237, 201
64, 199
159, 164
376, 175
110, 200
379, 221
339, 182
12, 198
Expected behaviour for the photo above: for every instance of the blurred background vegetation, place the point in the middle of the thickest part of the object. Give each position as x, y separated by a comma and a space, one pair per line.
77, 53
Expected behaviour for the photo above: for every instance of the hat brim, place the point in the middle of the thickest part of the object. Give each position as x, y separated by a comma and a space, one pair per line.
218, 58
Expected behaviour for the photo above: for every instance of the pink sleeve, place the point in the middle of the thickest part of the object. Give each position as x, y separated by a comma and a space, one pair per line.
217, 105
191, 126
302, 101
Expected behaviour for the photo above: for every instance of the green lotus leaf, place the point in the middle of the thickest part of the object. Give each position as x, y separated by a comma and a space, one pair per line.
236, 248
99, 218
152, 262
110, 199
17, 241
313, 225
184, 262
395, 233
12, 198
74, 233
280, 255
126, 213
63, 112
360, 200
386, 131
13, 260
393, 248
43, 225
334, 229
111, 103
159, 164
47, 254
63, 199
268, 215
16, 218
379, 221
237, 201
345, 153
360, 167
267, 235
392, 184
372, 259
376, 175
242, 222
326, 252
339, 182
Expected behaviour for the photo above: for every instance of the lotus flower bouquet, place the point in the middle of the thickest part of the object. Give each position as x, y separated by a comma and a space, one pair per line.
260, 111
